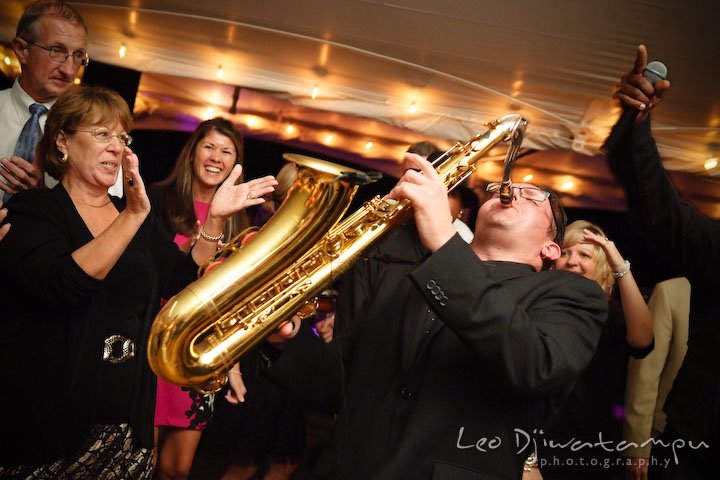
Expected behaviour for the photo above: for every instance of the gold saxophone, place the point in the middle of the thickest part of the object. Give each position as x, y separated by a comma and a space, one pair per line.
203, 330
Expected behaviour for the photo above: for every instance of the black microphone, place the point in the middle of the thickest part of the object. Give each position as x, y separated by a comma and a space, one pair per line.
654, 72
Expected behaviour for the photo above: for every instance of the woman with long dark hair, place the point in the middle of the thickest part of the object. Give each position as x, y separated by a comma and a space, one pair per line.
183, 200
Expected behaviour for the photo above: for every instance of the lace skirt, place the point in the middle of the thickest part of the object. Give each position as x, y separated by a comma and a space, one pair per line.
110, 452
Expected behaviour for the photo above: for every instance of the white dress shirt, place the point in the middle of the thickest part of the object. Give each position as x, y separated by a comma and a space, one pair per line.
463, 230
14, 113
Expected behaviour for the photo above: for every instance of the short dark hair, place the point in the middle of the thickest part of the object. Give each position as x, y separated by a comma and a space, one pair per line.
559, 222
27, 27
424, 148
468, 198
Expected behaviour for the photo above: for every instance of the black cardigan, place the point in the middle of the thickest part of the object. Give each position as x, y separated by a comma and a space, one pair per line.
52, 327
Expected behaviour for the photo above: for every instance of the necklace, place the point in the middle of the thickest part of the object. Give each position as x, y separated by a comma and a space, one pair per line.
93, 206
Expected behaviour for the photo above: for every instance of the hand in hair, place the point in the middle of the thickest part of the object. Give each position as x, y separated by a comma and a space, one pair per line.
615, 259
637, 315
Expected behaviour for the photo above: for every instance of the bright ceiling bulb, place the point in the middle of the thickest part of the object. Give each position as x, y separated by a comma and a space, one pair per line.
329, 139
290, 128
527, 178
220, 72
568, 185
413, 108
315, 92
251, 121
369, 145
710, 164
122, 51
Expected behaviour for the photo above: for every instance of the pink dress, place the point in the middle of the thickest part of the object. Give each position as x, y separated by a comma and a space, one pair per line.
179, 406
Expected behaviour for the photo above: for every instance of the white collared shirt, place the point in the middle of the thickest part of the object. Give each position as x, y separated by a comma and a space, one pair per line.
14, 113
463, 230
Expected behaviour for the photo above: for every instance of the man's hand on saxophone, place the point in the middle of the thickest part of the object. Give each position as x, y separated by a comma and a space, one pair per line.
285, 332
428, 196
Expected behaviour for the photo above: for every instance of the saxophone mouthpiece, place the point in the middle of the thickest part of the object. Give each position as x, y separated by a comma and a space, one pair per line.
506, 193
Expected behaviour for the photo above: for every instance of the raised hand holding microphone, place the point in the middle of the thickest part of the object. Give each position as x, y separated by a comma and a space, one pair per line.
639, 91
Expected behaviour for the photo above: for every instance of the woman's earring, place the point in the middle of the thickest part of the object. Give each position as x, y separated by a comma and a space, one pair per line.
63, 159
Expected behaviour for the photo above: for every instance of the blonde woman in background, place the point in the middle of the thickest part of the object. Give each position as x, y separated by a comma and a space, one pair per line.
593, 411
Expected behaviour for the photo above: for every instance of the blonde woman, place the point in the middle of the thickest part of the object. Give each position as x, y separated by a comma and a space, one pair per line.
593, 412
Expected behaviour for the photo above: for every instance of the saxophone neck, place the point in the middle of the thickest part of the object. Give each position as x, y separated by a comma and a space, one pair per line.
459, 162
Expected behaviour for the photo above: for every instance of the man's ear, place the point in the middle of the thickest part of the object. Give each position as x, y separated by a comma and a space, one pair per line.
551, 251
20, 47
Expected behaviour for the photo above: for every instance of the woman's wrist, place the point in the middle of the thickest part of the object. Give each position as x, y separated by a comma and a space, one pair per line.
623, 270
211, 238
135, 218
212, 230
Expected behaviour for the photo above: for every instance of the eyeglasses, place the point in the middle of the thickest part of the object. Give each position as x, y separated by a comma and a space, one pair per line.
537, 195
531, 193
104, 136
60, 55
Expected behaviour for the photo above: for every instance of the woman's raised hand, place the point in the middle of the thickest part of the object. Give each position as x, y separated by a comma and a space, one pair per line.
230, 198
137, 201
615, 259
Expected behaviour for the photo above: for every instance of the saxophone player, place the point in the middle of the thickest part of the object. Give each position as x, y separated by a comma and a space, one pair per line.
447, 355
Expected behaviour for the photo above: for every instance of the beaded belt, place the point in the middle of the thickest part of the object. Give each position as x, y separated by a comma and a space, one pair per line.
127, 346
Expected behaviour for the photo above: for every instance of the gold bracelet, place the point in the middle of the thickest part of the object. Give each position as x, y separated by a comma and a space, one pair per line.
208, 237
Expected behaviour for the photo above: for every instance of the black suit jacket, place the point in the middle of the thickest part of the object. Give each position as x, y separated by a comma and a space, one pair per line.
449, 362
692, 243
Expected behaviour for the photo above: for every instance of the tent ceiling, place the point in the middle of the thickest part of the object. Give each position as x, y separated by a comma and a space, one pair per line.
461, 62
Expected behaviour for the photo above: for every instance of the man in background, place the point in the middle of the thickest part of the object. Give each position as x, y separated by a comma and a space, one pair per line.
689, 445
51, 46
